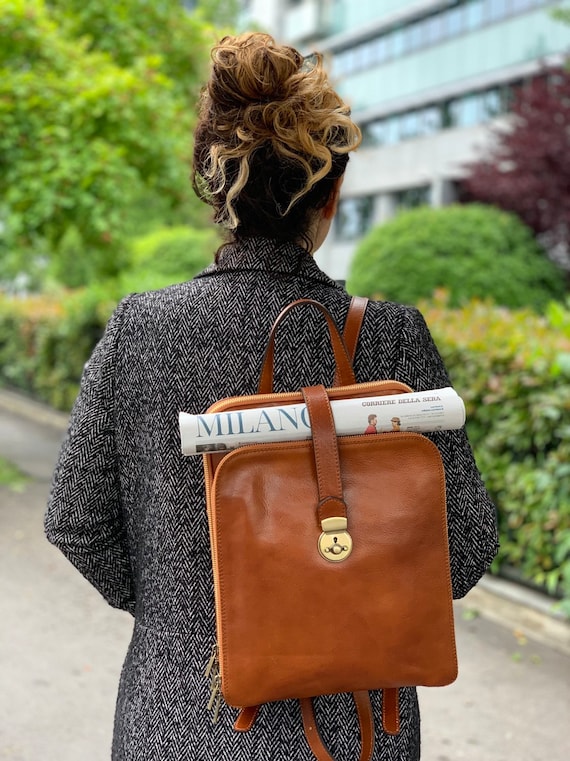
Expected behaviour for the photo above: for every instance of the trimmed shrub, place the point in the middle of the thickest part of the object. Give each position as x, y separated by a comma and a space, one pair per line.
472, 251
512, 368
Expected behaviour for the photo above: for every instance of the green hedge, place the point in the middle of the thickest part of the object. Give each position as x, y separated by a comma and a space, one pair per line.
511, 367
45, 340
472, 251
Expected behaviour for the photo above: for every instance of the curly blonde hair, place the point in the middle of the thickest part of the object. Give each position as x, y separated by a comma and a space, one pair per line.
272, 138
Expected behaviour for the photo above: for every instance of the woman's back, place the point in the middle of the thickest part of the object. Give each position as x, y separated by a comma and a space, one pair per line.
129, 511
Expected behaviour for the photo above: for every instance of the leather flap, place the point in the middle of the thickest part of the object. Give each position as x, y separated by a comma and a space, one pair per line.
291, 624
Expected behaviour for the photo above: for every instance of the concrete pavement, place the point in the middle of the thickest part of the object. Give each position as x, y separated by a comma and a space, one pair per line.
61, 646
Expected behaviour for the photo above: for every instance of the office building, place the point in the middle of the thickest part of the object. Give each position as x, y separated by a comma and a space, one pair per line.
425, 80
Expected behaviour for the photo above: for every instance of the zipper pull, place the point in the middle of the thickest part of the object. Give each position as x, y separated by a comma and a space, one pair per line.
213, 660
217, 704
213, 674
214, 691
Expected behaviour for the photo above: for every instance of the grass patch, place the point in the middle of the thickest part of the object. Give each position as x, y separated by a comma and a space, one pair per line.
11, 477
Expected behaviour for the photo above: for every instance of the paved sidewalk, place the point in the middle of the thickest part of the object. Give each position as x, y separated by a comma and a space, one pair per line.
61, 646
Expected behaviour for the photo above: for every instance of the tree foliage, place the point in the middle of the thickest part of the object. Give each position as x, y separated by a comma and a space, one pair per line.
96, 109
527, 170
158, 31
220, 13
472, 251
561, 14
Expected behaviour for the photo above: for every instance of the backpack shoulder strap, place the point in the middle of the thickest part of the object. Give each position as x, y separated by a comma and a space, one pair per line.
352, 327
353, 323
365, 719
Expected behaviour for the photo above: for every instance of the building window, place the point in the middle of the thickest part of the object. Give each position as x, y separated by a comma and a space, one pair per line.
455, 18
497, 9
410, 125
492, 104
431, 120
354, 217
474, 14
398, 39
434, 29
374, 133
463, 111
468, 110
464, 16
412, 197
393, 129
382, 131
447, 115
368, 55
381, 49
416, 36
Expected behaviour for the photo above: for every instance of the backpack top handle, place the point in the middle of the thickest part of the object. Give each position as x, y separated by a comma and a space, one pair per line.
344, 375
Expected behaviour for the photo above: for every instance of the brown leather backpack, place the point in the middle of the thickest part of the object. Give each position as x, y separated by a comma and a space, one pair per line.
330, 558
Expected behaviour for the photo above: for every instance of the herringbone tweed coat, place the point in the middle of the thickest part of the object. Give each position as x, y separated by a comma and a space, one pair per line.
129, 511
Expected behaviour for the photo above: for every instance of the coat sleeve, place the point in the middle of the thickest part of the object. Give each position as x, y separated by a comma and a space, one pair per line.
84, 516
471, 515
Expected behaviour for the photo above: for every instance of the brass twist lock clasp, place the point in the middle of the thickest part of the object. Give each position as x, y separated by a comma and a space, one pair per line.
335, 543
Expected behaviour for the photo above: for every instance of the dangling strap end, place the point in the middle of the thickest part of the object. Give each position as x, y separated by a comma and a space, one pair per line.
390, 711
246, 718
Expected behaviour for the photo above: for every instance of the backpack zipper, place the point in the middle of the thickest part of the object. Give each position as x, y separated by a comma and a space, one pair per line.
212, 673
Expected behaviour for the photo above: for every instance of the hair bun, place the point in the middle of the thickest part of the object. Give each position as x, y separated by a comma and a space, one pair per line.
266, 113
250, 69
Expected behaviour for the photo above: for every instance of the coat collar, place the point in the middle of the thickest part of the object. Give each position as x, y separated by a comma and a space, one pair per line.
270, 256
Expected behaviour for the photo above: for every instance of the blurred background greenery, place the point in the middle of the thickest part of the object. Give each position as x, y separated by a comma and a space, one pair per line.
96, 115
97, 106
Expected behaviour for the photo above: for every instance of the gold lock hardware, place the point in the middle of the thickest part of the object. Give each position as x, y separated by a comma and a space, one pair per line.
335, 543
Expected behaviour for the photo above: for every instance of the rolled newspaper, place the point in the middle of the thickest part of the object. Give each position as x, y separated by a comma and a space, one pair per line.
424, 412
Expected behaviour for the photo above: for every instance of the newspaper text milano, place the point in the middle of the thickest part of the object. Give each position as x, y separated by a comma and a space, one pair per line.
230, 423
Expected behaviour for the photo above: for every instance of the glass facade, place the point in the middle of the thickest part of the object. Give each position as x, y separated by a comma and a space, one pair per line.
354, 218
370, 74
352, 14
412, 197
418, 34
464, 111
